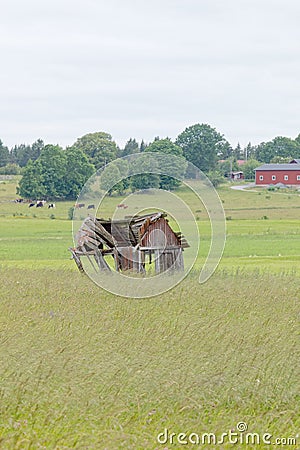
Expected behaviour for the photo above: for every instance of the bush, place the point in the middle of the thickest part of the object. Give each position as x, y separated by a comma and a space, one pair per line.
10, 169
248, 169
215, 177
70, 213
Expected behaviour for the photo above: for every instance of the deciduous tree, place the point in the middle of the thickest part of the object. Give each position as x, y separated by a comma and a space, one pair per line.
202, 145
54, 168
147, 178
78, 171
109, 178
248, 168
31, 184
99, 148
174, 166
279, 146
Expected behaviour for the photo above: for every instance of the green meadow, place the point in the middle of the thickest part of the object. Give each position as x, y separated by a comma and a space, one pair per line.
83, 369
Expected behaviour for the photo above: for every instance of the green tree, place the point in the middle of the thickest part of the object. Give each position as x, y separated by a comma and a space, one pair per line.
249, 151
279, 146
54, 169
21, 154
56, 174
4, 155
99, 148
131, 147
78, 171
109, 178
248, 168
225, 151
281, 160
226, 167
113, 172
143, 146
31, 184
147, 178
215, 177
36, 149
123, 167
167, 147
237, 152
201, 145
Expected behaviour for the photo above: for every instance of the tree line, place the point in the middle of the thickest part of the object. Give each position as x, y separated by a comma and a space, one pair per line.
49, 171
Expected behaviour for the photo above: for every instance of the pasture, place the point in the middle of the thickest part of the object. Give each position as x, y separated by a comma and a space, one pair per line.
82, 369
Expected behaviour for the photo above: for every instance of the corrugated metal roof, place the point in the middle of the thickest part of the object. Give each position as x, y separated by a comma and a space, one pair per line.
278, 167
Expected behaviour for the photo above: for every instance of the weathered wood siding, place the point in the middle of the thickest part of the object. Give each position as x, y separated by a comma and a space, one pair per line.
150, 239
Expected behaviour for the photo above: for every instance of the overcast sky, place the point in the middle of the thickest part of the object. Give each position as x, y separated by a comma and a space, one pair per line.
142, 68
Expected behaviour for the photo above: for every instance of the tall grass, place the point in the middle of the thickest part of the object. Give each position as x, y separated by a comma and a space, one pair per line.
86, 370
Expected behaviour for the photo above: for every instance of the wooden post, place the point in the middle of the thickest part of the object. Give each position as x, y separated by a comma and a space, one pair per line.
77, 260
157, 261
102, 264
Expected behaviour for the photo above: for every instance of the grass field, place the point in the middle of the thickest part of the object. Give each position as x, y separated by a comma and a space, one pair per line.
84, 369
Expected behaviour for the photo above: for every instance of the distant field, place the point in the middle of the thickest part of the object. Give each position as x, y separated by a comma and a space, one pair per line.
261, 232
82, 369
251, 204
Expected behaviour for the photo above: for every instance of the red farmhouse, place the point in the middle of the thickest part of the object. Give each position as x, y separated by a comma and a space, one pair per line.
288, 174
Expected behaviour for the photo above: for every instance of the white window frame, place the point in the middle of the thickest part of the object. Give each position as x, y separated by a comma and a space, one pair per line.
298, 177
273, 177
286, 178
261, 178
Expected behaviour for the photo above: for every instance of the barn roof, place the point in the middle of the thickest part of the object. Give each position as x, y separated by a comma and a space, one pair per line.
121, 232
295, 161
278, 167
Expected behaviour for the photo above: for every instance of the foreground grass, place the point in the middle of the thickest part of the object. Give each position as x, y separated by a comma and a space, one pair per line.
86, 370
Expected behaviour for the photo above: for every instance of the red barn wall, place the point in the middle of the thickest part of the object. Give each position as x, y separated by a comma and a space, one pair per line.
279, 174
162, 225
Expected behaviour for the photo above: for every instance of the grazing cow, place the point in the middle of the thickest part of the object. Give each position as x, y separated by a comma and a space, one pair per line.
19, 200
122, 205
79, 205
51, 205
91, 207
39, 204
31, 205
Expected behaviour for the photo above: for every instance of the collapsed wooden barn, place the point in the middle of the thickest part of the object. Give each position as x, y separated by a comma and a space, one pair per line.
132, 242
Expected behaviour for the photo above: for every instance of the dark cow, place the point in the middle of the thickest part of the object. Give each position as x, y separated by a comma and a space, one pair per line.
79, 205
51, 205
40, 204
91, 207
31, 205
